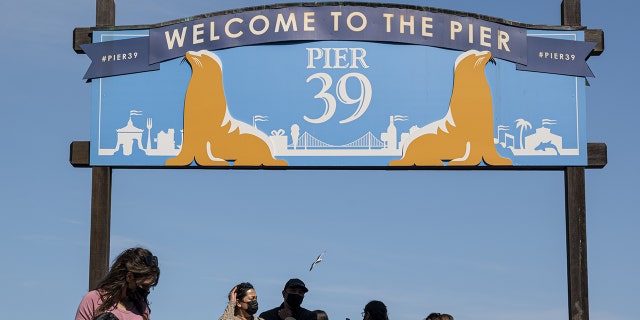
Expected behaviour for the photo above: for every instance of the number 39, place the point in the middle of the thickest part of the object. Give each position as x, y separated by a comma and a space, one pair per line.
363, 100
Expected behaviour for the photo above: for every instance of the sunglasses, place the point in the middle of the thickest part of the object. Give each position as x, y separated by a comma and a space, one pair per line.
150, 261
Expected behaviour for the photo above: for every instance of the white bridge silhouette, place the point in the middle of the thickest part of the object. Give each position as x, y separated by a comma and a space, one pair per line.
367, 145
368, 141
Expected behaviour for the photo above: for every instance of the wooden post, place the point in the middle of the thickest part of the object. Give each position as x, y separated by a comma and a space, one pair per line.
101, 186
575, 212
105, 13
571, 13
100, 225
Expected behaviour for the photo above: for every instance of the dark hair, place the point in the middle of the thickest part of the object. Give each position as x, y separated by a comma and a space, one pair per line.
439, 316
321, 315
376, 310
142, 264
241, 290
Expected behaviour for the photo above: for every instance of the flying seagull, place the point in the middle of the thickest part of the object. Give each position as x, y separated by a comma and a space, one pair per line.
318, 260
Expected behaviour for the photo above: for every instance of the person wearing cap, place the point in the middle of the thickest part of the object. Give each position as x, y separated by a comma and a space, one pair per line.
291, 309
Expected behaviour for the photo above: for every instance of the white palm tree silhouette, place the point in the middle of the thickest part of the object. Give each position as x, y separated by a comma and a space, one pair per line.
523, 125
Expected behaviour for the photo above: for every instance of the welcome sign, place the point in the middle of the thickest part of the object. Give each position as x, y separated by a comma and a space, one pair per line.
320, 85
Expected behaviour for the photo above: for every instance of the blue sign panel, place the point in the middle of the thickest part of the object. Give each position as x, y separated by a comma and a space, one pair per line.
327, 87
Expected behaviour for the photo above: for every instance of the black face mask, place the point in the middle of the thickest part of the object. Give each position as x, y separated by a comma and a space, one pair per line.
294, 301
252, 307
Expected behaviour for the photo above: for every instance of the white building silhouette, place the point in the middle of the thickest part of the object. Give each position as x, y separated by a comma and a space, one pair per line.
542, 136
126, 136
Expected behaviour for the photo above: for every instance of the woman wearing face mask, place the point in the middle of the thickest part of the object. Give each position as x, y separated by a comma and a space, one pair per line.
123, 291
243, 303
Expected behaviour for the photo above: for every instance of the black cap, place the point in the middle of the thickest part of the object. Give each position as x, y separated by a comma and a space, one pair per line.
295, 283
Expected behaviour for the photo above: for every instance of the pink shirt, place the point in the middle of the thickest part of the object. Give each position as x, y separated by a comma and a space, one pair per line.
91, 301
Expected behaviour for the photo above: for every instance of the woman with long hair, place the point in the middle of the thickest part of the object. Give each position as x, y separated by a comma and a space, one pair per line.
124, 290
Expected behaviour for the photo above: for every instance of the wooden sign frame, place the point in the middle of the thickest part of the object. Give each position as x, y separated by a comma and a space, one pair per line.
574, 179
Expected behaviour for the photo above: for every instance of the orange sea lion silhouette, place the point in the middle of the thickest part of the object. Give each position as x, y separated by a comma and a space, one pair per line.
464, 137
211, 136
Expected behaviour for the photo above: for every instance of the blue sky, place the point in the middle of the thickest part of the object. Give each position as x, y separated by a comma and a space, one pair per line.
476, 244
